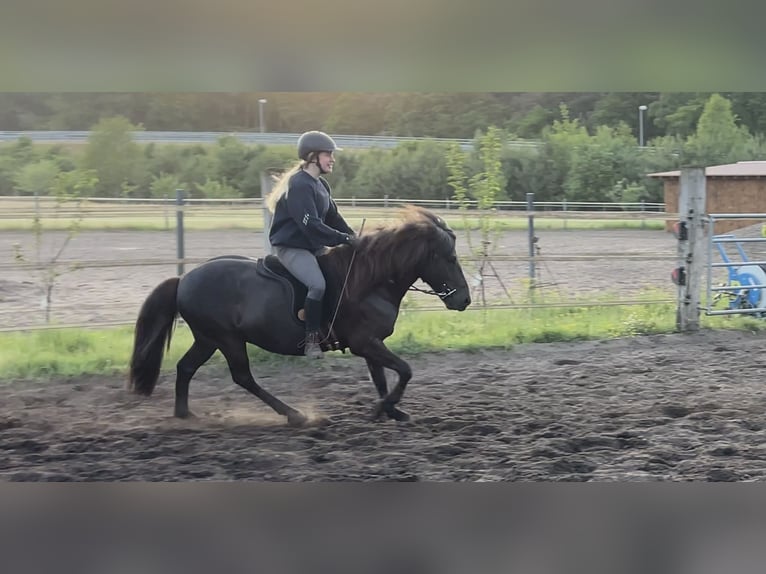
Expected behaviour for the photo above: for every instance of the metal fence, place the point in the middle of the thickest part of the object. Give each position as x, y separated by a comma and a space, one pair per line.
84, 270
17, 205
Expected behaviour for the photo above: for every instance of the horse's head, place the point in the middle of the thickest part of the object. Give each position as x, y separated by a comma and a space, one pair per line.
441, 269
421, 247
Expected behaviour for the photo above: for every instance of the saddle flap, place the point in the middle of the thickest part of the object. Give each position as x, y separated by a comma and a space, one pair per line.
270, 267
274, 265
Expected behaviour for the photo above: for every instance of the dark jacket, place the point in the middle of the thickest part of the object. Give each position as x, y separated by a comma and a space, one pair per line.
306, 216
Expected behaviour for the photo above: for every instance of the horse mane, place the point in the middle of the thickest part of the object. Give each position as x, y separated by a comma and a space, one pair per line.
393, 251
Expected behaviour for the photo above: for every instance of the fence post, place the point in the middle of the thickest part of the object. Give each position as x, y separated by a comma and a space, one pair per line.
691, 210
266, 187
564, 209
180, 230
532, 240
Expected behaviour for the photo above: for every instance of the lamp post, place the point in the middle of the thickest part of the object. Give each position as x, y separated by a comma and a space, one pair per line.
641, 110
261, 102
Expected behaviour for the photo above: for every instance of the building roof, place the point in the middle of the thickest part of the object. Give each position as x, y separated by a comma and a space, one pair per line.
739, 169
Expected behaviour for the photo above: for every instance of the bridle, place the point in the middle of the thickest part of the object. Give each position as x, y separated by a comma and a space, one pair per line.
440, 294
446, 291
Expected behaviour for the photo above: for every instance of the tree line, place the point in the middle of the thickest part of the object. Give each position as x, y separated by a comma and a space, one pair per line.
449, 115
573, 162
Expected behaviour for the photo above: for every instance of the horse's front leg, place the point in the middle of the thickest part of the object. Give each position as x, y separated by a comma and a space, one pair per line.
378, 376
378, 358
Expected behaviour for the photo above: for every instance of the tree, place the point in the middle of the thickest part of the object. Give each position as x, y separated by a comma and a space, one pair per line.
411, 170
604, 167
165, 185
533, 123
482, 189
233, 159
562, 142
750, 109
37, 178
115, 157
215, 189
718, 139
67, 188
75, 184
676, 114
622, 107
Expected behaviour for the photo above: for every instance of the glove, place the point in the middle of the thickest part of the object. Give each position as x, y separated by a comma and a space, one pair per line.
353, 241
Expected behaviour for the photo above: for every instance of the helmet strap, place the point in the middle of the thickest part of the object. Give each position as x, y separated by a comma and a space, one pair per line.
314, 158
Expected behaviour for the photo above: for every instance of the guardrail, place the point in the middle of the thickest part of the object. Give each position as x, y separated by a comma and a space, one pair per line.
268, 138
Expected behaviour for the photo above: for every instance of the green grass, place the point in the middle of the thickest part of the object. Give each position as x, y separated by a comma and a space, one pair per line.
70, 352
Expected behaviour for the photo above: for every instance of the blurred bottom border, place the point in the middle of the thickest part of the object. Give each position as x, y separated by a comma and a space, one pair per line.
394, 528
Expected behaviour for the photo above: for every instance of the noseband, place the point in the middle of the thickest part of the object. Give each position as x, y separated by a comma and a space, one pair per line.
446, 292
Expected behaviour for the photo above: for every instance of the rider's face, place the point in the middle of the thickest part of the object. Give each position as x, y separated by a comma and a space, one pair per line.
326, 159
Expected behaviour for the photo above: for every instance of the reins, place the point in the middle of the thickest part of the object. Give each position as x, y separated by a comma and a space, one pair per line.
343, 289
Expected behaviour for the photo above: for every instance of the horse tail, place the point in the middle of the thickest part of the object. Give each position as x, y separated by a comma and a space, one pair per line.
154, 329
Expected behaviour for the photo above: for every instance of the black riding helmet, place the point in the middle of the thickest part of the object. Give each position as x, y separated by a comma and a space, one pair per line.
315, 141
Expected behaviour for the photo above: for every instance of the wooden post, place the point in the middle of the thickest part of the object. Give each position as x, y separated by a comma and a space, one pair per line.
180, 253
266, 187
691, 210
531, 240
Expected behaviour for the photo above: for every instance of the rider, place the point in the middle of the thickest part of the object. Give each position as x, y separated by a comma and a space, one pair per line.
305, 222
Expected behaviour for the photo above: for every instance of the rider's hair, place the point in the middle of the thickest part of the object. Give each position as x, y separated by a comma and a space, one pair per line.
280, 185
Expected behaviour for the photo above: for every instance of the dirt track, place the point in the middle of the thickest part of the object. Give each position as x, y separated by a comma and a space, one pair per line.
676, 407
653, 408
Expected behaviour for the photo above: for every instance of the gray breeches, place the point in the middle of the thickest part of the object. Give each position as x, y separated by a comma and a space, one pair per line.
303, 264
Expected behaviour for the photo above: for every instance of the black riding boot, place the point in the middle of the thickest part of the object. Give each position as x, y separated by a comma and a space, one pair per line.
313, 308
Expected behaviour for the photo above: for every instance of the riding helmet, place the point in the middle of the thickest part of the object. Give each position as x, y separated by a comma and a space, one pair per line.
315, 141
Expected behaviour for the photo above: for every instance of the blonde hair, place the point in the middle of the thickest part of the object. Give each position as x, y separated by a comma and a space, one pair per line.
280, 185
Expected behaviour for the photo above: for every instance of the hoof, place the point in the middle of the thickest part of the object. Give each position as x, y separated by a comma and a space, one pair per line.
398, 415
184, 414
297, 419
389, 410
378, 411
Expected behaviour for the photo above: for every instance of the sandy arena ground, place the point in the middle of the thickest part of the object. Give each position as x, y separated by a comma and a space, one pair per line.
675, 407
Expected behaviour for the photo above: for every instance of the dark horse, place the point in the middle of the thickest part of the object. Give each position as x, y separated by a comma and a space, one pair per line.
230, 301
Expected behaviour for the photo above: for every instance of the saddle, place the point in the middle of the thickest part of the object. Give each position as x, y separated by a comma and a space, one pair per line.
270, 267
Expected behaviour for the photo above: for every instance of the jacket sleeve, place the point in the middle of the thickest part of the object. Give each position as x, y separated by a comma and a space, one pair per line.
336, 221
302, 208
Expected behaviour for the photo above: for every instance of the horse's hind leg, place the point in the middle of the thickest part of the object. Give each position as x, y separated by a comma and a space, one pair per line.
195, 357
239, 365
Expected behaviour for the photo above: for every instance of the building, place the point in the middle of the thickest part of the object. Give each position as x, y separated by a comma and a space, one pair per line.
732, 188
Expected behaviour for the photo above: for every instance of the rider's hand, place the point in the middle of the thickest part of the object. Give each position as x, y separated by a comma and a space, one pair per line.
353, 241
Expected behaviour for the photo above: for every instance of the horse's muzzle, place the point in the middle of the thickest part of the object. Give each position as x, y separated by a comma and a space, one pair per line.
458, 302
